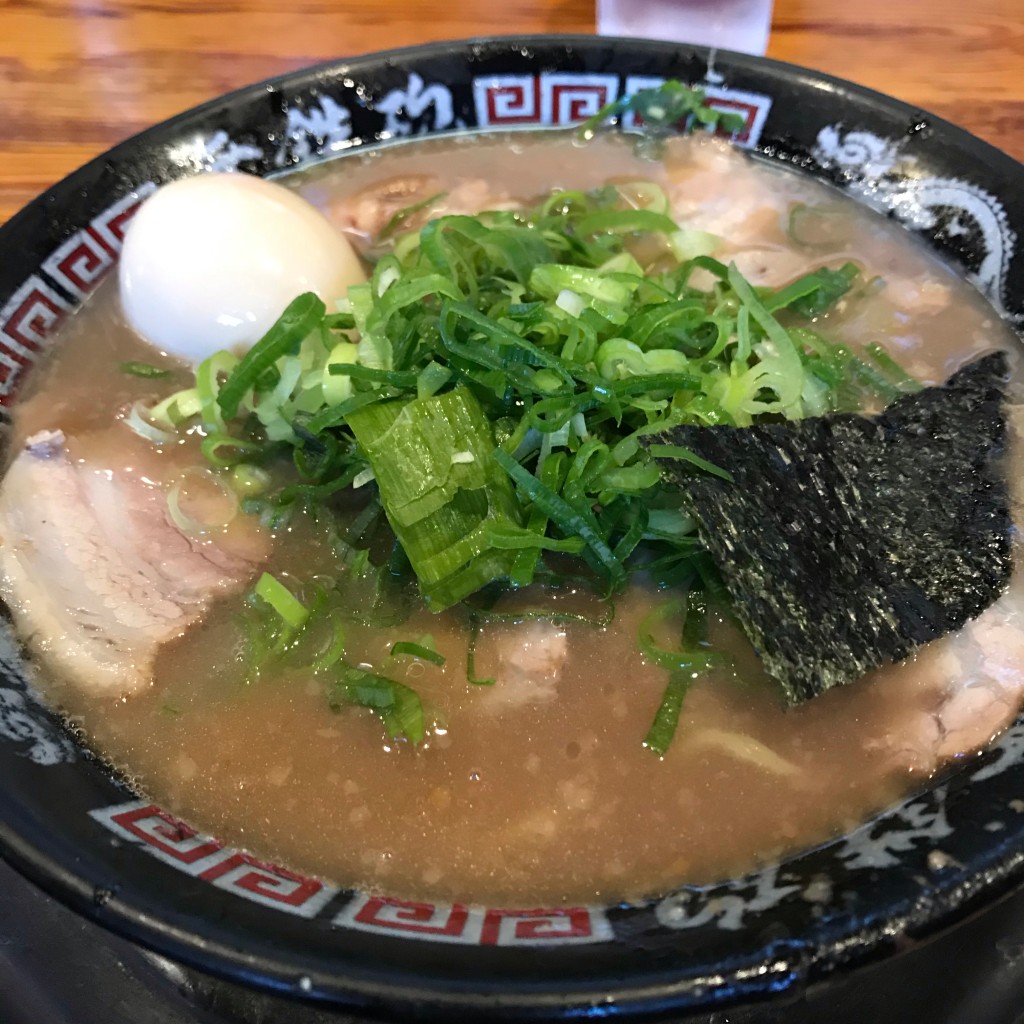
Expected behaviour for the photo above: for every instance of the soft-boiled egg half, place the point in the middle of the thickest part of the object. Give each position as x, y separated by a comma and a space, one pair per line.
211, 262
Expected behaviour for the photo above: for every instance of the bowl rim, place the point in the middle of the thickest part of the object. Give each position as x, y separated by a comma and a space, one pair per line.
390, 989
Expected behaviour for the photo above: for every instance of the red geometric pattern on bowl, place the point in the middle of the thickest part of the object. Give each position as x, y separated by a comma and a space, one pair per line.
470, 925
38, 308
555, 98
30, 314
80, 263
174, 842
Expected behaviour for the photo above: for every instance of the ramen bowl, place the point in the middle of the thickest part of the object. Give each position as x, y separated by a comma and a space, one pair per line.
81, 833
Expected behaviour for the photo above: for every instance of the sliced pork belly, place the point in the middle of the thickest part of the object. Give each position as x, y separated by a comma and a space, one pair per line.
526, 661
970, 684
364, 215
750, 216
96, 573
531, 658
958, 692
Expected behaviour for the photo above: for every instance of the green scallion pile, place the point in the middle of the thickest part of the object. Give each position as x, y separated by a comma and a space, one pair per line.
490, 385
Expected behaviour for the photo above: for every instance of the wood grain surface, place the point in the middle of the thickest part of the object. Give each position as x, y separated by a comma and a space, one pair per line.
80, 75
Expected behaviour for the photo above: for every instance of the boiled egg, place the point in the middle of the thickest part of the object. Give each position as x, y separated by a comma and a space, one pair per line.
211, 262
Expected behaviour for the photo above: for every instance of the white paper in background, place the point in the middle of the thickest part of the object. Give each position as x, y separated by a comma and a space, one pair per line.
730, 24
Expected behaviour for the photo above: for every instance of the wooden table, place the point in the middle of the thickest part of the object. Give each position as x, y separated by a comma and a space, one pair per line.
79, 77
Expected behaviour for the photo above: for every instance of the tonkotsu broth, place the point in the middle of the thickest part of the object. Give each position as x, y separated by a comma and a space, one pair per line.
532, 790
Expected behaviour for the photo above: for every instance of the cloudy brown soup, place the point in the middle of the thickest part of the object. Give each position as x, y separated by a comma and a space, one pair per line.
539, 786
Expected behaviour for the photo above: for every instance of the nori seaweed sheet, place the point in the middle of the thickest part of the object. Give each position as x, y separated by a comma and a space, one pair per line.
847, 541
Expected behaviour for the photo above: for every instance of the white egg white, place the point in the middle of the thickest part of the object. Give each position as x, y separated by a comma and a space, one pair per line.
210, 262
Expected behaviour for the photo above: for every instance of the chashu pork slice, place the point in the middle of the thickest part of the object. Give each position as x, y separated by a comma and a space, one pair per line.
95, 572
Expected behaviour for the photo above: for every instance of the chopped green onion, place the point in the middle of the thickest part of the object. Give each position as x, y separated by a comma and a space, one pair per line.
398, 378
471, 645
208, 385
571, 521
248, 481
414, 650
236, 449
644, 195
398, 705
399, 218
139, 422
551, 475
302, 315
191, 524
889, 365
431, 379
871, 380
440, 509
282, 600
339, 321
688, 243
683, 666
626, 221
814, 293
138, 369
675, 451
334, 388
176, 408
663, 729
665, 107
780, 367
674, 661
818, 226
334, 651
516, 539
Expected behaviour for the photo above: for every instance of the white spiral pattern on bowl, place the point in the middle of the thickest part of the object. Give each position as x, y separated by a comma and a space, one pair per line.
876, 173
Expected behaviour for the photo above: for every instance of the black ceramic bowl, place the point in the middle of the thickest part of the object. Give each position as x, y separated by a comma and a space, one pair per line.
915, 869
